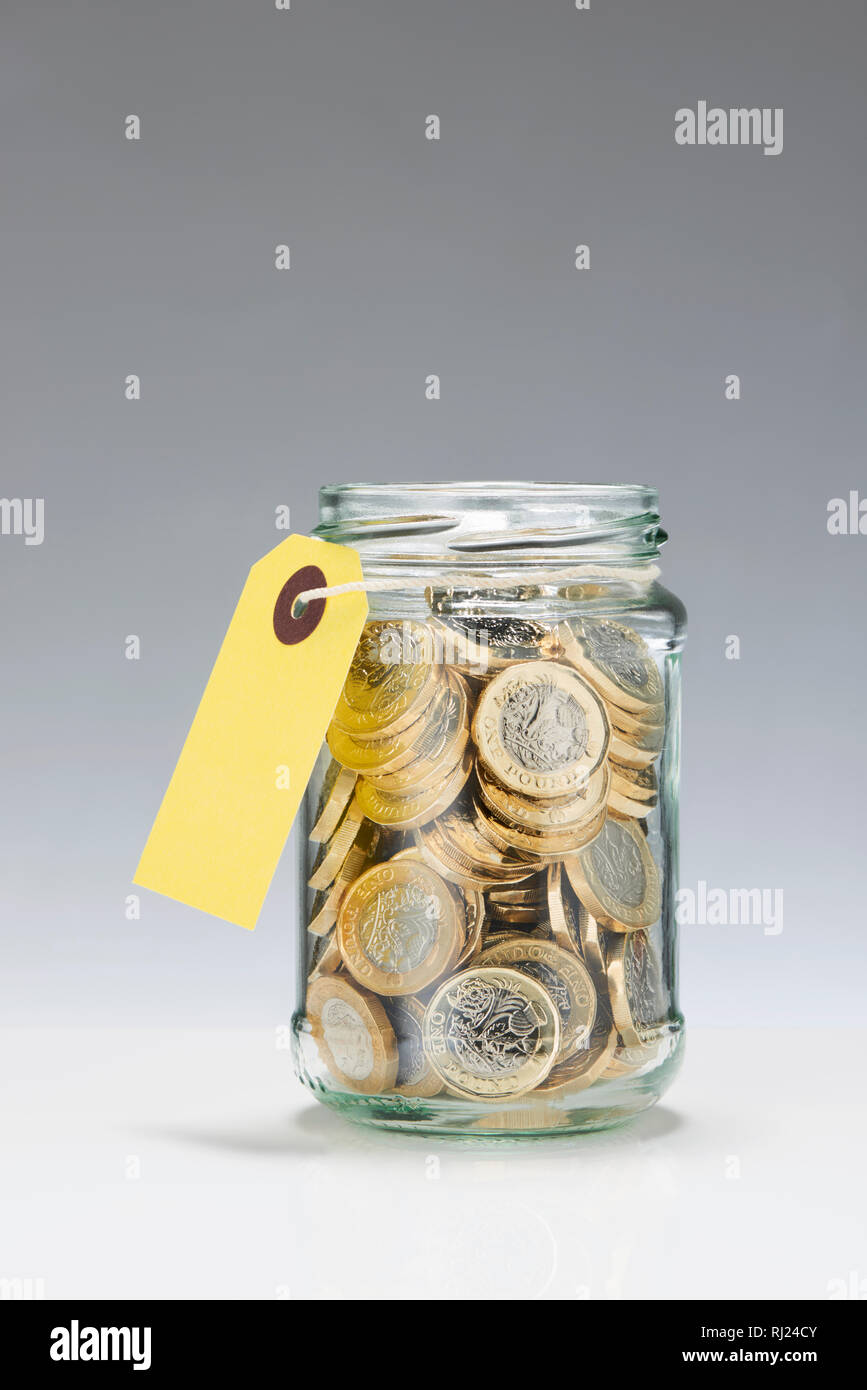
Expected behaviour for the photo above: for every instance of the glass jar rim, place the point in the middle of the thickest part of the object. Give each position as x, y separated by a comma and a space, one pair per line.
486, 485
479, 522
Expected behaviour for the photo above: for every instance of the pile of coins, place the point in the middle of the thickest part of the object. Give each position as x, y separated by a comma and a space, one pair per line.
486, 910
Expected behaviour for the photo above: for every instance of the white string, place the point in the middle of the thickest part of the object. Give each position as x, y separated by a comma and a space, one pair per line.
644, 574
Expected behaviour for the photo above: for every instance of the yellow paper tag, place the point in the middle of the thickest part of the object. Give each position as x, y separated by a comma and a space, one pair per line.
238, 783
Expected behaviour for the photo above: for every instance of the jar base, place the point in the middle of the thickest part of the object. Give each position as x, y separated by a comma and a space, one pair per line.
538, 1115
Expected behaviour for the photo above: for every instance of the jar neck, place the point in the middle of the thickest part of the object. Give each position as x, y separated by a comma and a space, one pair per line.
495, 529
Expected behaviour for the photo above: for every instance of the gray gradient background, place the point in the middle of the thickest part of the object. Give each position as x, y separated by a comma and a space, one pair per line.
410, 257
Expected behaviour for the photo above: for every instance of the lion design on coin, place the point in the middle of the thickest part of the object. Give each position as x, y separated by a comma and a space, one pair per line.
491, 1029
399, 927
542, 726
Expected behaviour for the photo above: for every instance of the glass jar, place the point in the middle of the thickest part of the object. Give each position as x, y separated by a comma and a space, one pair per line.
489, 840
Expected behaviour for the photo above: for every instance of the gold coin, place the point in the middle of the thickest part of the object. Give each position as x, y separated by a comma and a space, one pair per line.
518, 897
326, 960
323, 914
589, 1062
399, 928
634, 1061
477, 643
432, 851
641, 784
635, 988
649, 740
616, 877
556, 844
452, 863
507, 931
438, 747
625, 806
592, 939
465, 841
564, 976
651, 720
622, 751
474, 912
368, 843
616, 661
542, 813
540, 729
491, 1032
515, 916
384, 755
353, 1035
390, 681
539, 930
329, 863
415, 1075
490, 828
407, 812
562, 910
419, 718
337, 788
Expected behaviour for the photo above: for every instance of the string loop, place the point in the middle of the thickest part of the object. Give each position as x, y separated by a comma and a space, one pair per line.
635, 574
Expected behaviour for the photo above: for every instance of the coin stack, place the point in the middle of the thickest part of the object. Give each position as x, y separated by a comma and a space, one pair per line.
617, 662
486, 914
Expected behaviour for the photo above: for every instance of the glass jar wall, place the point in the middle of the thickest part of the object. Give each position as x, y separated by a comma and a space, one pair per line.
489, 842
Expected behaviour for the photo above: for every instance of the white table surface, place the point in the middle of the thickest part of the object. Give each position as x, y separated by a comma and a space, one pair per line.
191, 1164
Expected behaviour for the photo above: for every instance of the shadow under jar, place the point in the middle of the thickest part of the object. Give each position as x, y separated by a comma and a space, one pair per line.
489, 842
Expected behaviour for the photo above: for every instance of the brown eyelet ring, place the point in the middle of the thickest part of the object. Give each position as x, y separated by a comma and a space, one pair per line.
287, 628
